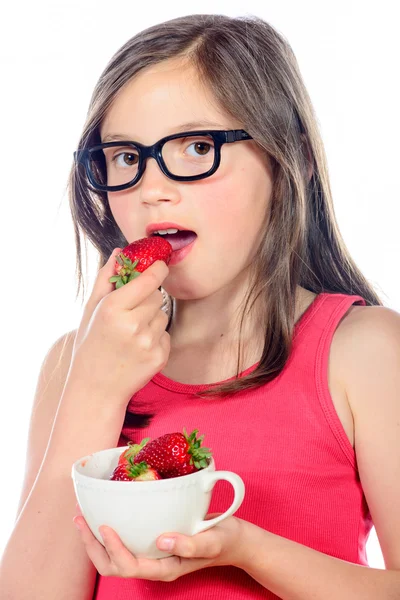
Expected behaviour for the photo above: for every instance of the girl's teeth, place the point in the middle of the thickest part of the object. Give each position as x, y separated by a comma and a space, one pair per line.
165, 231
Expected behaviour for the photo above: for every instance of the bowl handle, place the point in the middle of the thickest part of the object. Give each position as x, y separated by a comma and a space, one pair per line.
210, 479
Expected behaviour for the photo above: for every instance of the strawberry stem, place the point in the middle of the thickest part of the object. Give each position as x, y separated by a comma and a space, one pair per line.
138, 469
200, 456
127, 273
135, 449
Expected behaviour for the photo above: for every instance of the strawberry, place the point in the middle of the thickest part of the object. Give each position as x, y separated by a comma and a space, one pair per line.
138, 256
139, 472
123, 470
121, 473
175, 454
142, 472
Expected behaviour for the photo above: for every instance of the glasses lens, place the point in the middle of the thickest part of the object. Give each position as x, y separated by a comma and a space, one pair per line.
114, 165
189, 156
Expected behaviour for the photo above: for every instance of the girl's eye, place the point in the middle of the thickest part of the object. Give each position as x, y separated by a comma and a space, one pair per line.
129, 159
199, 148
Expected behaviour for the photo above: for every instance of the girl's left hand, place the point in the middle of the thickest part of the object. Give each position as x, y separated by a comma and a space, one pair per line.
217, 546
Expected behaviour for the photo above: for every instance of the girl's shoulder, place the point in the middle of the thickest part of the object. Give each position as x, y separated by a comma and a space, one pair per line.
366, 354
365, 329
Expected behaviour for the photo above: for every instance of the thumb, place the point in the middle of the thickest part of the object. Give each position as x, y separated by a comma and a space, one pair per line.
206, 544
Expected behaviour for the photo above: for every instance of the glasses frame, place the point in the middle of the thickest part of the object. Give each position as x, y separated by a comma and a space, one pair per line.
220, 137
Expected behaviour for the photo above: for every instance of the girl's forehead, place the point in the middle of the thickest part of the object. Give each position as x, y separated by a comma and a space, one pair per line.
159, 100
164, 87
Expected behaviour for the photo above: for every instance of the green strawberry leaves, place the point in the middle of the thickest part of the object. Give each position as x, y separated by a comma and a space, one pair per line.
200, 456
127, 273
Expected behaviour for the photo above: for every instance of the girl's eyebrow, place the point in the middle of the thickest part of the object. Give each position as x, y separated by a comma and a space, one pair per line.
115, 137
183, 127
197, 125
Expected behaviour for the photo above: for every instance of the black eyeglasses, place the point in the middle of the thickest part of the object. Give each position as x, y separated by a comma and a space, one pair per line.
188, 156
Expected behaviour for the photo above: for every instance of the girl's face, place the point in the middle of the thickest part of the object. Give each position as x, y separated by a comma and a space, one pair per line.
226, 210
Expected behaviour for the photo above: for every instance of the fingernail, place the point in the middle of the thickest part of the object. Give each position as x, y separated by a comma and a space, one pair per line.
104, 533
166, 543
77, 523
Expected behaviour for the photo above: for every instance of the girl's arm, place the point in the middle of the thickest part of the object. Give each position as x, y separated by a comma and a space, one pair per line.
44, 557
367, 362
120, 344
295, 572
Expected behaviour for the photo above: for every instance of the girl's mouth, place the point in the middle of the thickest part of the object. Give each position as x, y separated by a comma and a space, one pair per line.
179, 240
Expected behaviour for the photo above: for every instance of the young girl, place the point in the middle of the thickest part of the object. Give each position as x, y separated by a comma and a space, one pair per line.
275, 346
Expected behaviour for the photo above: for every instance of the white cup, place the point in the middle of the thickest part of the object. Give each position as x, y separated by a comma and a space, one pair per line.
143, 510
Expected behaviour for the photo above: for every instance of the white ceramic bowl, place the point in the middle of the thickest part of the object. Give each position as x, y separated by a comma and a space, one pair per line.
141, 511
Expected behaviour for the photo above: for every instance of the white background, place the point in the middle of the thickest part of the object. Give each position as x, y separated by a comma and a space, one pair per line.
51, 55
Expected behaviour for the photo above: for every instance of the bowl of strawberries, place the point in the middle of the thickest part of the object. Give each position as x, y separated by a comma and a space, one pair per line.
144, 490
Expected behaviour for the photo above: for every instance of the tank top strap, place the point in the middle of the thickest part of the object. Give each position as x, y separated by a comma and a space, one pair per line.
324, 315
309, 357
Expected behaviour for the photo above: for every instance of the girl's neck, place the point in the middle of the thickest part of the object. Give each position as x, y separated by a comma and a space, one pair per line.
205, 337
208, 320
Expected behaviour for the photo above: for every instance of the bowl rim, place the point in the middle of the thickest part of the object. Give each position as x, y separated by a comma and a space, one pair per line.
81, 478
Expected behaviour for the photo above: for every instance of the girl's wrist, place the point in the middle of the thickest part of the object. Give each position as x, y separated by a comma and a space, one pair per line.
86, 421
247, 545
94, 392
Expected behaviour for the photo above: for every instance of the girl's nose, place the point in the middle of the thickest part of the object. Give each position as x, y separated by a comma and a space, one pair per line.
155, 187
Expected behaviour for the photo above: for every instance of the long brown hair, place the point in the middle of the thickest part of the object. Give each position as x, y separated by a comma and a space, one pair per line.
254, 76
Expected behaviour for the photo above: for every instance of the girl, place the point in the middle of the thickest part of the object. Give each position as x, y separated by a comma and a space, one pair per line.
275, 346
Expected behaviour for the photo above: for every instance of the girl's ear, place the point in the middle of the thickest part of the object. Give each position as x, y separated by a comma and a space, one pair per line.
308, 154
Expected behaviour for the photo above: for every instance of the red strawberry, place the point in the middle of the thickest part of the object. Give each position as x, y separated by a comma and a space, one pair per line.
123, 471
139, 472
138, 256
145, 473
175, 454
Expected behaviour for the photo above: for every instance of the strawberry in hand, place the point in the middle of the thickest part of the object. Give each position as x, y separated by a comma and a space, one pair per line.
175, 454
138, 256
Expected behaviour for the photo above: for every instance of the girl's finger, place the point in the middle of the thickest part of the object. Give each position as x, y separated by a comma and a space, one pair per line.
159, 322
102, 286
148, 310
207, 544
124, 562
127, 565
136, 291
96, 551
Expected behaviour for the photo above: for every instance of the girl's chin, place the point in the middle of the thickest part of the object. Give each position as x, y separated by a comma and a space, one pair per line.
181, 293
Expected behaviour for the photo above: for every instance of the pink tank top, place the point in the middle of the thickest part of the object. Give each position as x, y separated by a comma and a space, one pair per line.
286, 442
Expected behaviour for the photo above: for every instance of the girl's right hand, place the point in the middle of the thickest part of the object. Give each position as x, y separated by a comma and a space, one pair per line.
121, 342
